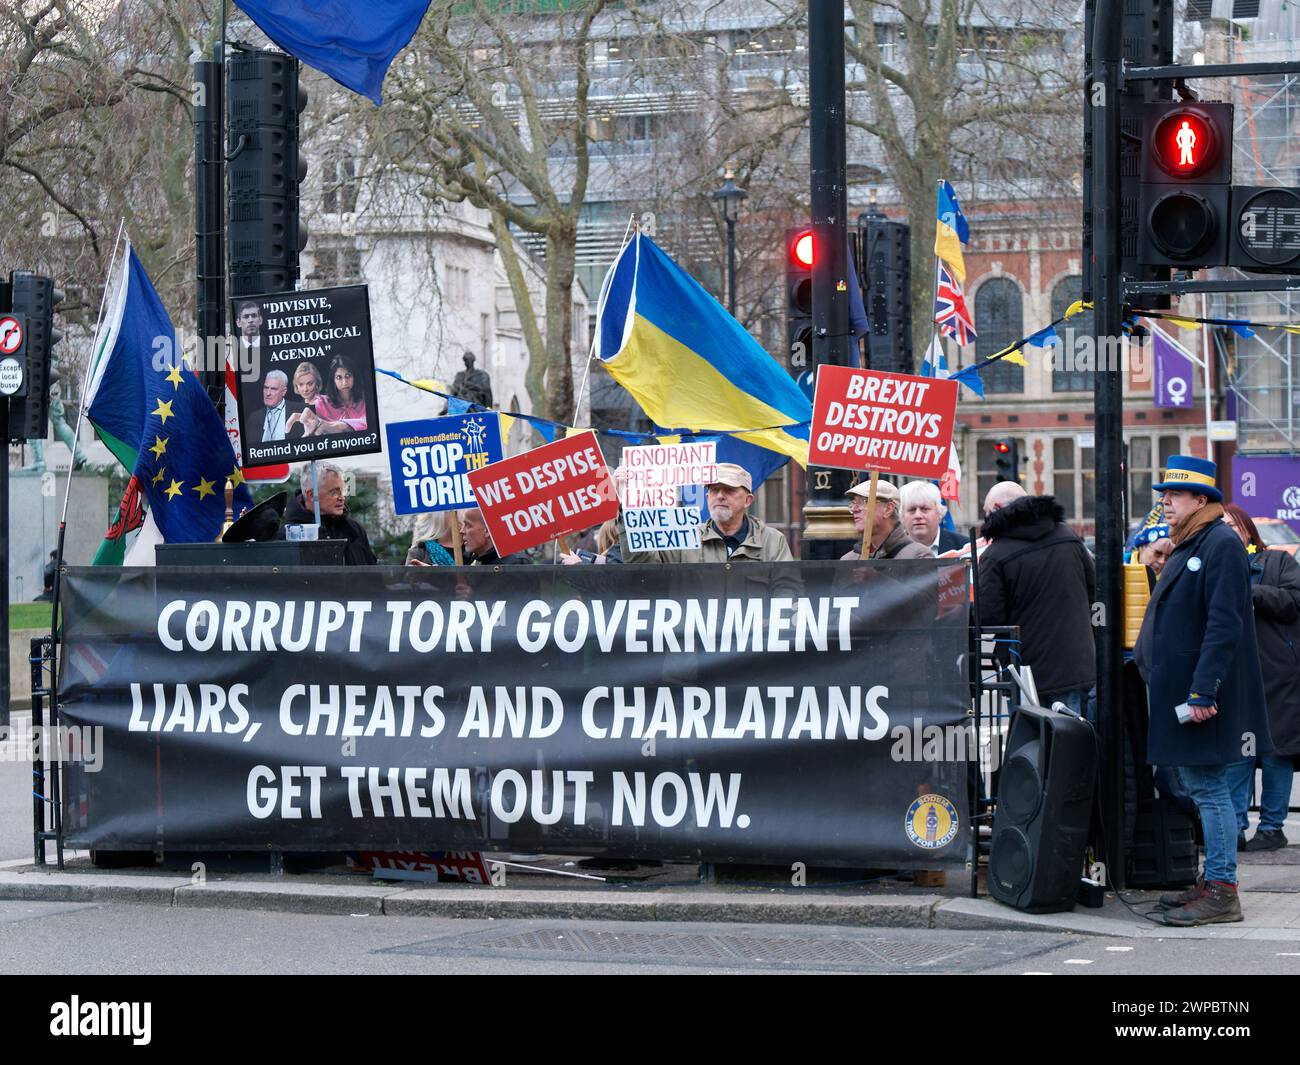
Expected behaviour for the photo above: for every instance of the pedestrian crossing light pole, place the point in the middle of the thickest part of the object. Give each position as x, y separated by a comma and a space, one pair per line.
828, 529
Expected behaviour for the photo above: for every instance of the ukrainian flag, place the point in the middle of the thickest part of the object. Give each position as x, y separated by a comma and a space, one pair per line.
690, 364
950, 231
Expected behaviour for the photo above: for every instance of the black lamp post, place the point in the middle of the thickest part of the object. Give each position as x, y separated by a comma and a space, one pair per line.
730, 195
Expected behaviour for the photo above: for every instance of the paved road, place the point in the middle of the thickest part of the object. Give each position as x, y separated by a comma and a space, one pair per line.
65, 938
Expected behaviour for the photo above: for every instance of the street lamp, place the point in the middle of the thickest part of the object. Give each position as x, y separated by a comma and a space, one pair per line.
730, 195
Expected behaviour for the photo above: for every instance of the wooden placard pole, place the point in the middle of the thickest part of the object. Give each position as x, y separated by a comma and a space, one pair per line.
864, 551
455, 538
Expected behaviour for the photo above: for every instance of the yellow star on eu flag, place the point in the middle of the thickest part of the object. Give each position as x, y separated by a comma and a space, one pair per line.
175, 377
159, 446
158, 477
174, 490
205, 488
235, 477
165, 410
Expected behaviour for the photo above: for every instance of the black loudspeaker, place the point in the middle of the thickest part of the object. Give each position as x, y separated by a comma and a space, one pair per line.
1040, 829
1164, 852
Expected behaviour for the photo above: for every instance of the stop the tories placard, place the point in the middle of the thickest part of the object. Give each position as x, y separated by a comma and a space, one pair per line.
889, 422
545, 493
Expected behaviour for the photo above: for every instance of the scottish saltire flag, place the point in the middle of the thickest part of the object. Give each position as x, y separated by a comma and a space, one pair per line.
950, 231
353, 42
935, 364
950, 312
155, 416
691, 366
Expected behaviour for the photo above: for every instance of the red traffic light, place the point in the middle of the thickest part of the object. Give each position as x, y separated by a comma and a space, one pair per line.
1001, 447
1185, 143
803, 249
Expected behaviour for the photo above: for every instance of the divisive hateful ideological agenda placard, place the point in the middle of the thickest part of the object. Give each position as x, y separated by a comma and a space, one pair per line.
306, 371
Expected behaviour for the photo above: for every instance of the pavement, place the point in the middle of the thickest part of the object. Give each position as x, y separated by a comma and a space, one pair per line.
547, 890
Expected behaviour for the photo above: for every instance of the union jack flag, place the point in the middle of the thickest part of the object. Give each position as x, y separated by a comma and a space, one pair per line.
950, 312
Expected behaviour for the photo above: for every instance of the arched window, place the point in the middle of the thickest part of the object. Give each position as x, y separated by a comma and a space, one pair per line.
1064, 377
999, 318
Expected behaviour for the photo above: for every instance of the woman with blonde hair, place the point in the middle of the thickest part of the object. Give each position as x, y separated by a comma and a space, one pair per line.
307, 382
431, 545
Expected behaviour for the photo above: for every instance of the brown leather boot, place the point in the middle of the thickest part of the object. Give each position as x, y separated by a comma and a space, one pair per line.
1181, 898
1219, 904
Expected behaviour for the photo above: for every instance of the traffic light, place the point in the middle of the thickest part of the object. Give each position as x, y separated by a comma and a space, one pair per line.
800, 251
32, 299
1185, 199
1006, 459
1266, 234
265, 168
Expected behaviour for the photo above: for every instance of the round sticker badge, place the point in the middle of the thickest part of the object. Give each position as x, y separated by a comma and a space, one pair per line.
931, 822
1193, 563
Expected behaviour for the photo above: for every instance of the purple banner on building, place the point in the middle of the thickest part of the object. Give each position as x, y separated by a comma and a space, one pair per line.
1173, 373
1268, 486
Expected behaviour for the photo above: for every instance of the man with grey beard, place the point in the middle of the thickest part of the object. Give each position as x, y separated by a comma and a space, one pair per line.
731, 534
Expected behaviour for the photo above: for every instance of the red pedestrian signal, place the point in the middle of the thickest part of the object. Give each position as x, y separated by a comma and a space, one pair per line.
1185, 184
1186, 144
802, 248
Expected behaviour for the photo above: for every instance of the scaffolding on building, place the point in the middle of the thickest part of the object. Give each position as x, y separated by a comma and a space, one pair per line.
1262, 373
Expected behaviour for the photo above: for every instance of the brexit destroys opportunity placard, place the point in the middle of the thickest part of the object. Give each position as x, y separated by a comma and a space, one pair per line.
887, 422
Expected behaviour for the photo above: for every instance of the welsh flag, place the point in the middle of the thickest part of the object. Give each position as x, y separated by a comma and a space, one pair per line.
152, 412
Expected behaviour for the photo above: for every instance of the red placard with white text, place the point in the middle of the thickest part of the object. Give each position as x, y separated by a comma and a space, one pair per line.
545, 493
888, 422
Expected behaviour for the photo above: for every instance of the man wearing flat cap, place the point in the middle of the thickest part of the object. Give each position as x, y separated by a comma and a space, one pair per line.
888, 537
731, 533
1198, 654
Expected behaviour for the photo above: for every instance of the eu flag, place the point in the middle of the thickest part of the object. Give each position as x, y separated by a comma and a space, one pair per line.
354, 43
153, 413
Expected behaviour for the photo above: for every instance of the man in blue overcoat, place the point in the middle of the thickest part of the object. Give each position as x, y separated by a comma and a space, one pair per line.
1198, 656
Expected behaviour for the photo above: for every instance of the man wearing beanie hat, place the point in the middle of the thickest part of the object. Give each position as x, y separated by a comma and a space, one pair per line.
1198, 655
731, 533
888, 537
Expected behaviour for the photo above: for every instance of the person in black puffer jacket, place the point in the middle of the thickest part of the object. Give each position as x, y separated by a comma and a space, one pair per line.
1037, 574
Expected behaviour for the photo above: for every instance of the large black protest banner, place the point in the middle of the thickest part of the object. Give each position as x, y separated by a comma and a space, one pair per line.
813, 712
306, 375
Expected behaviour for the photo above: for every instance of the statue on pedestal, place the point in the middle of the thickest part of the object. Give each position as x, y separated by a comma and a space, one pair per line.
474, 386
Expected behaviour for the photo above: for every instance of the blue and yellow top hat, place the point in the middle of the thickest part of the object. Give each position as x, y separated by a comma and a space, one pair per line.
1189, 474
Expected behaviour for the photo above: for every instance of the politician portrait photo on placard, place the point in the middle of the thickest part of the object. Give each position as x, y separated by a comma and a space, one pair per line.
310, 393
248, 327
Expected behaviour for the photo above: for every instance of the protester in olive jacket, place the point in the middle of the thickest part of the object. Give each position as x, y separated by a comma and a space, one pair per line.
1197, 647
1275, 594
1037, 574
889, 540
